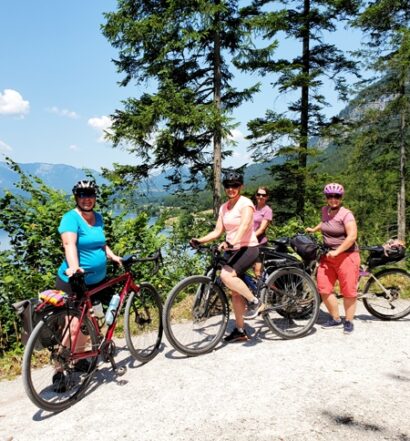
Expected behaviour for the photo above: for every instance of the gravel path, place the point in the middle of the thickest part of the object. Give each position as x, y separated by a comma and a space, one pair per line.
326, 386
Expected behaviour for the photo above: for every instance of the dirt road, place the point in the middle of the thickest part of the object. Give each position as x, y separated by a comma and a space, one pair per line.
326, 386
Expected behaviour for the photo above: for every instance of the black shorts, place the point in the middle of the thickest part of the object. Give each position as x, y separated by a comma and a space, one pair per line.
242, 259
103, 296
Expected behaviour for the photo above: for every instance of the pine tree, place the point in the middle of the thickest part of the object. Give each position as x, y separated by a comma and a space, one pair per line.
288, 134
387, 24
184, 47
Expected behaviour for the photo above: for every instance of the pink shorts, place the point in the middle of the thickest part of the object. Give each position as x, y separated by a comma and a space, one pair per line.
345, 268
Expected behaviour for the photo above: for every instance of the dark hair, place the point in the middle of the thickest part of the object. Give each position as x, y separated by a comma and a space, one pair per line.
263, 188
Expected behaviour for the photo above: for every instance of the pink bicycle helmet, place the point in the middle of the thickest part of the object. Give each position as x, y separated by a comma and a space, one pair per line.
334, 188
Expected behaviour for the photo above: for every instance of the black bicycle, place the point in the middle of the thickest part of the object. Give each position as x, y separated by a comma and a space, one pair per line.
196, 312
383, 288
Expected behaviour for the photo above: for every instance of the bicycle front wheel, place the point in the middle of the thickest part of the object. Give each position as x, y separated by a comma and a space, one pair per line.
388, 297
196, 314
143, 323
292, 303
49, 352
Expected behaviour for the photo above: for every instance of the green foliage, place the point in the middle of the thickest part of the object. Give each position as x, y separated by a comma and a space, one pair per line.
286, 135
30, 266
183, 47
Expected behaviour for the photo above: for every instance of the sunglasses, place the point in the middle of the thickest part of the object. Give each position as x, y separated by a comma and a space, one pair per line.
333, 196
261, 195
86, 195
226, 186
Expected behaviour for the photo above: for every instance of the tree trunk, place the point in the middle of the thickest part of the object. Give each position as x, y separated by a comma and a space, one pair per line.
304, 117
217, 166
401, 202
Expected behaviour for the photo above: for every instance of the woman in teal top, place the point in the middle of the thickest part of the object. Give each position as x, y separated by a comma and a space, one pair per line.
82, 233
85, 248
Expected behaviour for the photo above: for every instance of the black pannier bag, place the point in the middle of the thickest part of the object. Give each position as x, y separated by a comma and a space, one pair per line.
30, 314
305, 246
386, 255
29, 317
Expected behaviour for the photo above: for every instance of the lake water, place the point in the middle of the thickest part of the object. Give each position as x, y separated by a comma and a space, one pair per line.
4, 240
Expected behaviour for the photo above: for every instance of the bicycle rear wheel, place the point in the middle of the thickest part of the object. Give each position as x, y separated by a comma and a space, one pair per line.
143, 323
292, 303
196, 314
49, 349
393, 305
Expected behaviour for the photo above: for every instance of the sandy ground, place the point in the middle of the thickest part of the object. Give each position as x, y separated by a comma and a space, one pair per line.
325, 386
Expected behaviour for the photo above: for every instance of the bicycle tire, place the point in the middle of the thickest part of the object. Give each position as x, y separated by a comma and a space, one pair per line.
292, 302
397, 281
143, 323
196, 315
45, 348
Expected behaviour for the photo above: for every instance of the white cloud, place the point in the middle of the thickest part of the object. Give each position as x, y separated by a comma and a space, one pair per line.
64, 112
236, 135
12, 103
5, 147
74, 147
101, 124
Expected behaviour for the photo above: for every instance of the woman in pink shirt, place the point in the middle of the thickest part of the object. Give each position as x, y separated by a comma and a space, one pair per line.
235, 220
262, 217
342, 262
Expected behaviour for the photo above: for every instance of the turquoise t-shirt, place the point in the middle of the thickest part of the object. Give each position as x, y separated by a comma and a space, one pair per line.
90, 246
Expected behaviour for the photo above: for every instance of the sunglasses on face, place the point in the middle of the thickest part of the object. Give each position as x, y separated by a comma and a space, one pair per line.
333, 196
86, 195
231, 186
261, 195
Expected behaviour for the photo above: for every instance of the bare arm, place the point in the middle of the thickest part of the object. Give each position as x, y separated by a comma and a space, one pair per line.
351, 232
314, 229
262, 228
71, 254
112, 256
217, 232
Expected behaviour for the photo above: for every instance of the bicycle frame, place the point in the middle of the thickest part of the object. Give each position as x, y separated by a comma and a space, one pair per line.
86, 307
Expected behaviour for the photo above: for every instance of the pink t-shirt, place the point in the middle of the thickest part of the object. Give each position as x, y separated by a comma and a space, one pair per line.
265, 213
231, 220
334, 229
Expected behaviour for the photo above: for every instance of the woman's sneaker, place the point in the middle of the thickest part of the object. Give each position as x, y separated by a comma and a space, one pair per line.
332, 324
236, 335
253, 310
348, 327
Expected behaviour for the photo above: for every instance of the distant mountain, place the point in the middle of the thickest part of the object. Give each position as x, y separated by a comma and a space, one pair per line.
58, 176
63, 177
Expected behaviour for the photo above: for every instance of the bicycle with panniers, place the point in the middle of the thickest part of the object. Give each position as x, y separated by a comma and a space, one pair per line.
70, 339
383, 287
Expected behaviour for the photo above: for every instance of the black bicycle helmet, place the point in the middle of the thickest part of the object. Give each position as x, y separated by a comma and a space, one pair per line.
85, 187
232, 177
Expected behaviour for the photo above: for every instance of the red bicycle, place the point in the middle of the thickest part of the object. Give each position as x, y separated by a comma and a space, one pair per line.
67, 343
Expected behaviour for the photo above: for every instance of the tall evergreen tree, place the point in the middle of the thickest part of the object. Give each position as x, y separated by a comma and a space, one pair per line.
288, 134
184, 48
387, 24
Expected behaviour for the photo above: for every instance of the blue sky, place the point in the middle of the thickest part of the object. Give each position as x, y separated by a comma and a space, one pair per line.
58, 85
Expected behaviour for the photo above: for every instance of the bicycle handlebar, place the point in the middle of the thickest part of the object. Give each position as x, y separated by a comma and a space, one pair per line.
129, 260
